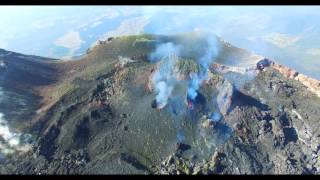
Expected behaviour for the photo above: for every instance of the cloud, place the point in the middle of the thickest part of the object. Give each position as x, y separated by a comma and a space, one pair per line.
258, 21
131, 11
70, 40
108, 14
314, 51
281, 40
132, 26
252, 38
95, 24
6, 36
3, 44
43, 24
309, 29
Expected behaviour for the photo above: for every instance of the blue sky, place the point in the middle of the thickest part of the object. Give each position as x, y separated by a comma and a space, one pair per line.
289, 34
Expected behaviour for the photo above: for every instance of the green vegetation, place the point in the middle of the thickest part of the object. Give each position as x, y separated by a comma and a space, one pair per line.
135, 45
91, 72
62, 89
187, 66
144, 42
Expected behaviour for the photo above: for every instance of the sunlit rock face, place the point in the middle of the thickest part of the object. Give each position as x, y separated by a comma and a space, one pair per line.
312, 84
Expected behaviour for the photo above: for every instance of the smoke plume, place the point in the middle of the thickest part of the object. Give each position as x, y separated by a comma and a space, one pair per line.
11, 142
166, 54
211, 51
165, 77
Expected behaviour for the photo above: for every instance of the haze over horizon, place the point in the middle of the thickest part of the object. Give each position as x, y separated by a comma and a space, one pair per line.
288, 34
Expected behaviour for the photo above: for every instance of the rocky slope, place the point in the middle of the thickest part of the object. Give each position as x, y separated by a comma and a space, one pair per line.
276, 129
313, 85
254, 118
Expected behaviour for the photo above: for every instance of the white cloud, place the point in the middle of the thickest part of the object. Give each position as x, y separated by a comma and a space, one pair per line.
6, 36
259, 21
133, 10
309, 29
252, 38
3, 44
314, 51
95, 24
178, 21
132, 26
70, 40
281, 40
43, 24
108, 14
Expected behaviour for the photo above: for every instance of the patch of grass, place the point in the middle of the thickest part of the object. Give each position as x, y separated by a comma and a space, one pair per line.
91, 72
62, 89
143, 42
128, 45
105, 56
187, 66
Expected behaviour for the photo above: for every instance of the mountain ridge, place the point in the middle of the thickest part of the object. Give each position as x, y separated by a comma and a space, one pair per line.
104, 100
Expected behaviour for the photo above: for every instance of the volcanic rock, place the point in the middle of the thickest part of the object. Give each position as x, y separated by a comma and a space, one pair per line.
97, 118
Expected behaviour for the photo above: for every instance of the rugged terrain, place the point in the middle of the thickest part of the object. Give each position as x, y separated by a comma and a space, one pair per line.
98, 114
